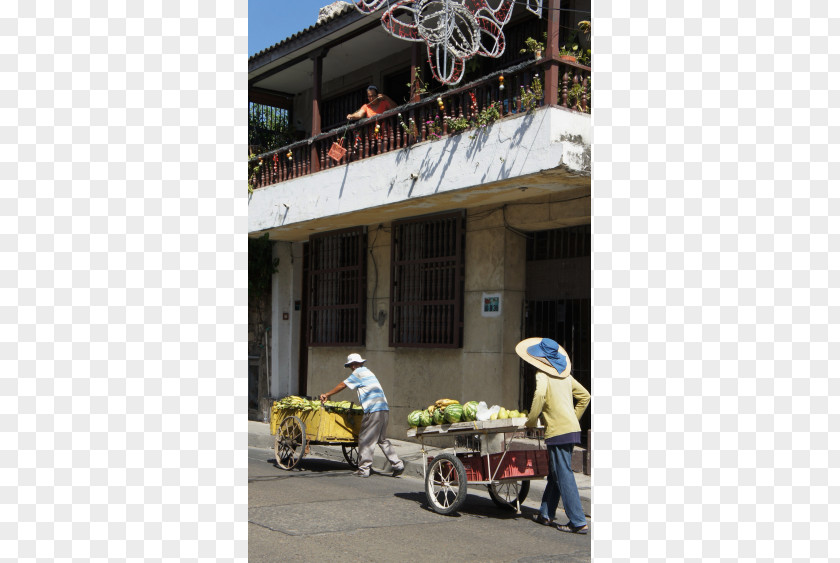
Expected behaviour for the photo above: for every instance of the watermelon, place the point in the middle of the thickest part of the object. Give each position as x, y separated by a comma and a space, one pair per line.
425, 418
453, 413
438, 417
414, 418
470, 410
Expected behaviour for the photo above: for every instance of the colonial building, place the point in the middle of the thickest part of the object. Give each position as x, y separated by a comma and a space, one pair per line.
435, 236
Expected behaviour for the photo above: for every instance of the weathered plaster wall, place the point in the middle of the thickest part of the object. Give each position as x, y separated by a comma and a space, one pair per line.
486, 368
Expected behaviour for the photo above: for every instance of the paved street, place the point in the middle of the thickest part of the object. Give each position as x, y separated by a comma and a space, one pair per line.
322, 513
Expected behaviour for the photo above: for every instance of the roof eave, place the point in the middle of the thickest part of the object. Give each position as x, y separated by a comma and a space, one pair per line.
305, 38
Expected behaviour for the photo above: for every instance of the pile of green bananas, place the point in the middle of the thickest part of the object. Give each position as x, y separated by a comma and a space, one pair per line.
293, 402
342, 407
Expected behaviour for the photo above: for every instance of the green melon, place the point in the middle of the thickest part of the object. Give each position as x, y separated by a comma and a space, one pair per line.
414, 418
438, 416
453, 413
425, 418
470, 410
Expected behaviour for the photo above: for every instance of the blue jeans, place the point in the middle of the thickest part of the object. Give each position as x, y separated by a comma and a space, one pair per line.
561, 482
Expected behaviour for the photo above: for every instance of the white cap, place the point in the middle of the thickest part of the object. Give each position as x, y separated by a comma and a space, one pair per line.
354, 358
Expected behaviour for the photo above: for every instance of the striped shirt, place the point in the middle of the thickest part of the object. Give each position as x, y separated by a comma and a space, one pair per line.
369, 390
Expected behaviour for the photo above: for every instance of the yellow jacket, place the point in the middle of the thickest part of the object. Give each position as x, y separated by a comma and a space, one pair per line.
560, 401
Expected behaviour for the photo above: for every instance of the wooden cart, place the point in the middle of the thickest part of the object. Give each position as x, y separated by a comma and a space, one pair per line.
506, 473
294, 430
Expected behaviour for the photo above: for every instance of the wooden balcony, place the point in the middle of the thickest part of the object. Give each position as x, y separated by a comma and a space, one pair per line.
463, 109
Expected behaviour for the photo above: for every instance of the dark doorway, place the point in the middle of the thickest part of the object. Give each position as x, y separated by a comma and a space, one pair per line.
558, 305
396, 85
253, 383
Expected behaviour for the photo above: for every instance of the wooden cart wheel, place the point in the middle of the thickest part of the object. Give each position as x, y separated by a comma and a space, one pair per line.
506, 493
351, 454
290, 442
446, 484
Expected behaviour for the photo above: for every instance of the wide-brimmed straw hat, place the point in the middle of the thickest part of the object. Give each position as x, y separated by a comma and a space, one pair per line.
541, 352
354, 358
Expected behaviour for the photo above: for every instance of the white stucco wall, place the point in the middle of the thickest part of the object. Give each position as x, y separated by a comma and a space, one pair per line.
544, 140
283, 379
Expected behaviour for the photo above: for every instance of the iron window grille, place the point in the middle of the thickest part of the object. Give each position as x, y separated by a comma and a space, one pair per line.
336, 288
427, 281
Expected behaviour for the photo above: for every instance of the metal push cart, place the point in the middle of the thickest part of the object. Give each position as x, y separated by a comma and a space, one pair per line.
294, 430
507, 473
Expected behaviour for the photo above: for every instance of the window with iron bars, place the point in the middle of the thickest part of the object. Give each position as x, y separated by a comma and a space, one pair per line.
427, 282
335, 266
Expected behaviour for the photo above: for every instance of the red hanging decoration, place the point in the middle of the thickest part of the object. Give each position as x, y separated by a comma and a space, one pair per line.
453, 30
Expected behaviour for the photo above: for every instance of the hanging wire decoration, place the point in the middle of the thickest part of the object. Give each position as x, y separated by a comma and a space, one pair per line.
453, 30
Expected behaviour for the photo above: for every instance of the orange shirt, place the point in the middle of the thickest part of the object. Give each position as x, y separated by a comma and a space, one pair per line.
381, 107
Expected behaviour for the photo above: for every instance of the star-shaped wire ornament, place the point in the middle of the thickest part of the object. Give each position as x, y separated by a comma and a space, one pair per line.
453, 30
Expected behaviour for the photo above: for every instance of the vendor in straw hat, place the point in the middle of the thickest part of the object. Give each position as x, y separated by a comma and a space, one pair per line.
561, 401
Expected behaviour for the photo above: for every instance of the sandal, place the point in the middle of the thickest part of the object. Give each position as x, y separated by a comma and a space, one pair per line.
572, 529
538, 518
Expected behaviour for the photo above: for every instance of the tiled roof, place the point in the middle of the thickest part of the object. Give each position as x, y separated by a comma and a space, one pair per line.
337, 14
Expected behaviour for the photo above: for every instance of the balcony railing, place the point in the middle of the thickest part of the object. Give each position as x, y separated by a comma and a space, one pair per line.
430, 118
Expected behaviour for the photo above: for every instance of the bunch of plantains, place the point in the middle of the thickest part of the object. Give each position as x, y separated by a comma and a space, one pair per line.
293, 402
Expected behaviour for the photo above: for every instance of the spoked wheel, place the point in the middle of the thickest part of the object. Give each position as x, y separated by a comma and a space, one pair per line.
507, 493
351, 454
290, 442
446, 484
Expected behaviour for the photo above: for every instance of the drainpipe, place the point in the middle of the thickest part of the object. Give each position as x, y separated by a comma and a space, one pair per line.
416, 63
268, 360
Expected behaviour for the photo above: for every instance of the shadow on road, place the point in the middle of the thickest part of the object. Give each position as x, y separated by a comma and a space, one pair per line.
313, 465
474, 505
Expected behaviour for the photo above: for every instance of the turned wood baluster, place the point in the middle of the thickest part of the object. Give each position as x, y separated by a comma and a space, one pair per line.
367, 132
565, 97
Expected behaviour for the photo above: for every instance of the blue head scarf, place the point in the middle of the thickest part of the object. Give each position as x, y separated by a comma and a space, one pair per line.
550, 350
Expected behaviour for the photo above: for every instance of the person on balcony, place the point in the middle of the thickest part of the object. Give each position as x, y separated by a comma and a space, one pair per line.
375, 419
561, 400
377, 103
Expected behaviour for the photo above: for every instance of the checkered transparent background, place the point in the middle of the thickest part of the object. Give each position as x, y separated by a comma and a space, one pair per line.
123, 291
123, 280
715, 272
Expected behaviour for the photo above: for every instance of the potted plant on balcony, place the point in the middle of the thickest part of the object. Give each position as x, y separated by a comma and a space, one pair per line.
534, 46
582, 36
573, 50
568, 53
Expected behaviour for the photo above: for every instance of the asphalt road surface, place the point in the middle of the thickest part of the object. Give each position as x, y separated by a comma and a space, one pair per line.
320, 512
